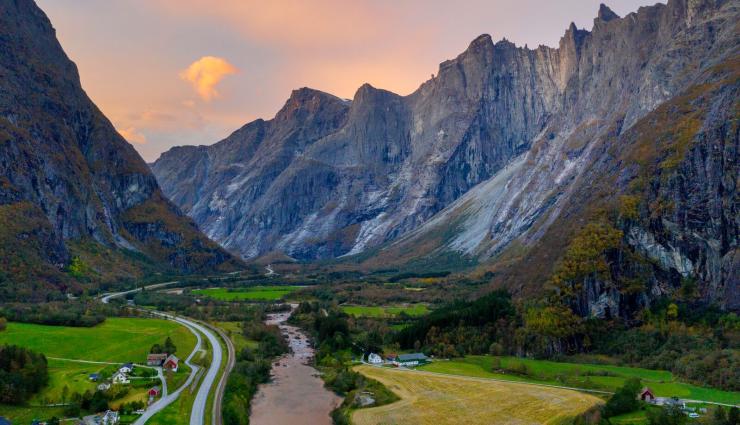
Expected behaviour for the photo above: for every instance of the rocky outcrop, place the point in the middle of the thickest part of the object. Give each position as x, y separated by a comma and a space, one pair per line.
63, 163
492, 150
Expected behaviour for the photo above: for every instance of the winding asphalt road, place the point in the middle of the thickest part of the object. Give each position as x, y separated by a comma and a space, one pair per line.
197, 414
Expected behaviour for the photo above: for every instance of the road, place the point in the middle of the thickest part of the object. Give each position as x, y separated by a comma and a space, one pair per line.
230, 361
197, 414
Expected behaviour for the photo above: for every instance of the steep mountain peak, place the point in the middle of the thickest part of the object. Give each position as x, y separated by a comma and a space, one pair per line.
304, 102
70, 185
606, 14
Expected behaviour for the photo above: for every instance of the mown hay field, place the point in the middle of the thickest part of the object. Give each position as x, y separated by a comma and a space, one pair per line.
432, 399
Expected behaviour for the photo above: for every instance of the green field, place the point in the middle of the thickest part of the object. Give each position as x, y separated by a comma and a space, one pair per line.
73, 375
115, 340
385, 311
252, 293
587, 376
234, 331
24, 415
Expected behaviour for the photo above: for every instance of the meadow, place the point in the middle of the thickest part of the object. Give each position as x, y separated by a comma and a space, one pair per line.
252, 293
115, 340
587, 376
234, 331
73, 375
430, 399
385, 311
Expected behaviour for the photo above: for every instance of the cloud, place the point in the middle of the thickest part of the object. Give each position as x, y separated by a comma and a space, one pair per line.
205, 73
132, 135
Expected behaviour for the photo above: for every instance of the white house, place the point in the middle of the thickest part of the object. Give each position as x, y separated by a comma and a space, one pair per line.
126, 368
373, 358
120, 378
109, 418
104, 386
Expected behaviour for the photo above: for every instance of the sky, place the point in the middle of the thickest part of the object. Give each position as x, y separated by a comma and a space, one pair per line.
189, 72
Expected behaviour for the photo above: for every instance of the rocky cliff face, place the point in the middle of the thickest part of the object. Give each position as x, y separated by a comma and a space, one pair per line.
491, 151
68, 181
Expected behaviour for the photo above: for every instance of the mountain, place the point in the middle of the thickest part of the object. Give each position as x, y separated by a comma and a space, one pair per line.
77, 203
503, 160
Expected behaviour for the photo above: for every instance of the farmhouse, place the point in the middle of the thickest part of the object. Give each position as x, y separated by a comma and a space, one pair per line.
126, 368
409, 360
171, 363
647, 395
156, 359
373, 358
120, 378
153, 392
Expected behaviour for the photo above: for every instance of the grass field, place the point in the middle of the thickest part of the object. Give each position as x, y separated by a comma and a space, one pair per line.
429, 399
115, 340
234, 331
252, 293
385, 311
602, 377
73, 375
24, 415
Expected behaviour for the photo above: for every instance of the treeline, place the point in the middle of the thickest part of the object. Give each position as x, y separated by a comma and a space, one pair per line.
60, 313
696, 343
252, 367
464, 327
22, 373
414, 275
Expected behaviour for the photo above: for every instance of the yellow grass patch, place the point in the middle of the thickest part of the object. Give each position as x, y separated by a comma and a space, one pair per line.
428, 398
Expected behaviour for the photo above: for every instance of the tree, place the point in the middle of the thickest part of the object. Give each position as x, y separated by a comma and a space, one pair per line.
624, 399
3, 323
672, 311
156, 349
733, 418
169, 346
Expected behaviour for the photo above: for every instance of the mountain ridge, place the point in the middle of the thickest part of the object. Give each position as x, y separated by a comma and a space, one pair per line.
70, 186
393, 167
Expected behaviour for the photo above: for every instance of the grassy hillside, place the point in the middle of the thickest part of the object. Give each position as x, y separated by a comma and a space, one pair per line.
115, 340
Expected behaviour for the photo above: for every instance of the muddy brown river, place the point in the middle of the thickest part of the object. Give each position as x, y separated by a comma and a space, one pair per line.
296, 395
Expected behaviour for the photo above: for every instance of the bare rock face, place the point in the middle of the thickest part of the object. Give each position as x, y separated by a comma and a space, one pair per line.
492, 150
66, 176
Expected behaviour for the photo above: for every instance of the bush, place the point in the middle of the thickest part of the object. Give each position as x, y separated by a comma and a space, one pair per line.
624, 400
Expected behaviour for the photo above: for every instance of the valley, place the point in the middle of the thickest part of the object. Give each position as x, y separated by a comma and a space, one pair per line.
533, 235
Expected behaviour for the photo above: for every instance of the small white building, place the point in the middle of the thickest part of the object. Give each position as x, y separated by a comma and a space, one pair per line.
126, 368
104, 386
120, 378
373, 358
109, 418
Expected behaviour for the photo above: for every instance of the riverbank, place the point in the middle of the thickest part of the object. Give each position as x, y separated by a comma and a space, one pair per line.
295, 394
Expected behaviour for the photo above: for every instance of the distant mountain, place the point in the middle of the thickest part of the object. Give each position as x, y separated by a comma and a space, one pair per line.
502, 160
78, 206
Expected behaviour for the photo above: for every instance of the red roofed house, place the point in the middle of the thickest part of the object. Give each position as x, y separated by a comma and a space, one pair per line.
647, 395
156, 359
171, 363
153, 392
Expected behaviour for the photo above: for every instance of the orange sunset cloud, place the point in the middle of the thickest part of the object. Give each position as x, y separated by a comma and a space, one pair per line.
205, 73
132, 135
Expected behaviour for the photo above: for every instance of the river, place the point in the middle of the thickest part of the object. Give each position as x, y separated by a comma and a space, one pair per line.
296, 394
